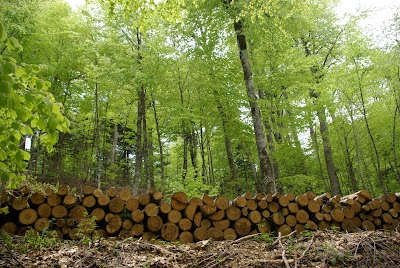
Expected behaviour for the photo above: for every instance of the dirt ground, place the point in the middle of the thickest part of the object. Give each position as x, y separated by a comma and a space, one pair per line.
309, 249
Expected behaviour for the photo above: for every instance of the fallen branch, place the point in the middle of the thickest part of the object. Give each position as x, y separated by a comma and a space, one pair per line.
245, 238
283, 250
304, 252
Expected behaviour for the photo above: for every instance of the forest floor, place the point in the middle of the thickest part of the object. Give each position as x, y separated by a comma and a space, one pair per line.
310, 249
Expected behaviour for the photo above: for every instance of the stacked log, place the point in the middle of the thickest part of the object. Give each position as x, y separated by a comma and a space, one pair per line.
117, 212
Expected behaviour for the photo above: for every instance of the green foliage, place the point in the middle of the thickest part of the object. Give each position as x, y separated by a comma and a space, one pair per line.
87, 225
26, 107
47, 239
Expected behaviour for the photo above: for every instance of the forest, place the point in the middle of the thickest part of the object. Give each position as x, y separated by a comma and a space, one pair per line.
199, 96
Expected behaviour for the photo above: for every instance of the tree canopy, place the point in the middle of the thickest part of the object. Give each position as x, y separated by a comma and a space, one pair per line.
208, 96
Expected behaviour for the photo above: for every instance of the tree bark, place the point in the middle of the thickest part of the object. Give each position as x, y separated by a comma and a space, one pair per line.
265, 162
114, 145
330, 165
139, 146
160, 147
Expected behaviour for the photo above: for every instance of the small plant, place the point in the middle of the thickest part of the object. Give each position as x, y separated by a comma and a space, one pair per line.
6, 239
86, 227
267, 238
47, 239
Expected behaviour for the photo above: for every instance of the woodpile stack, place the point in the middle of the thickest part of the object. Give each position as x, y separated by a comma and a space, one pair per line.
118, 213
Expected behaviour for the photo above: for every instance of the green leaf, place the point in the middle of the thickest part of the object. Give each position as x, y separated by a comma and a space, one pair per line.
3, 33
5, 87
52, 123
39, 83
27, 156
9, 67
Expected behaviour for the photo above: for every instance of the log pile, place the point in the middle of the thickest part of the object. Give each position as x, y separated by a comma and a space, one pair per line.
118, 213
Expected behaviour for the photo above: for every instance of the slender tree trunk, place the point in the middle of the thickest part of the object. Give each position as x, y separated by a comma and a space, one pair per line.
139, 145
265, 162
145, 151
314, 138
114, 145
378, 162
326, 143
193, 150
160, 146
204, 173
210, 162
149, 163
396, 166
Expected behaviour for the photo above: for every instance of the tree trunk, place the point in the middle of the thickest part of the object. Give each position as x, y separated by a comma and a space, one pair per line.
139, 146
160, 147
265, 162
330, 165
313, 136
193, 150
204, 173
114, 145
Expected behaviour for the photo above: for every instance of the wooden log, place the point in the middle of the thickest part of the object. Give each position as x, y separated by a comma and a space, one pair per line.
396, 206
265, 214
114, 225
112, 192
60, 223
327, 217
103, 200
385, 206
273, 207
356, 207
283, 201
205, 223
198, 216
299, 228
137, 216
255, 216
54, 200
367, 226
137, 230
219, 215
157, 197
278, 218
230, 234
144, 199
208, 209
58, 211
262, 204
323, 225
313, 206
348, 212
49, 190
302, 216
284, 230
233, 213
301, 200
42, 224
63, 190
247, 195
185, 224
242, 226
245, 212
19, 203
325, 197
132, 204
215, 234
170, 232
87, 190
125, 194
291, 220
44, 210
390, 198
151, 209
291, 196
317, 217
221, 202
293, 207
195, 201
98, 214
179, 201
387, 218
264, 227
251, 204
70, 223
174, 216
89, 202
285, 211
127, 224
116, 205
154, 224
28, 216
190, 210
337, 215
200, 234
240, 201
186, 237
222, 224
97, 192
99, 233
394, 213
70, 201
77, 213
258, 197
311, 225
310, 195
9, 227
37, 198
165, 208
73, 234
327, 208
376, 212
